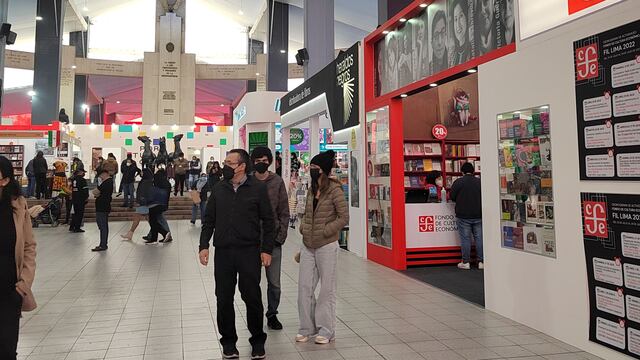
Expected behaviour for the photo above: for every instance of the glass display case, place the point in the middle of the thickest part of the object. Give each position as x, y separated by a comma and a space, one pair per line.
379, 178
526, 185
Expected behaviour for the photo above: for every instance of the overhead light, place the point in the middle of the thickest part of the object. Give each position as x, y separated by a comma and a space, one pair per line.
135, 127
471, 71
257, 74
38, 18
423, 5
84, 106
92, 126
31, 93
433, 84
403, 95
283, 51
403, 20
73, 66
118, 102
221, 105
381, 109
85, 9
240, 12
385, 32
154, 127
174, 127
193, 127
544, 107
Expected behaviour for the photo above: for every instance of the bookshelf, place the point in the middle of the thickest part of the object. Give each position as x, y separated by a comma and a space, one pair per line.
15, 153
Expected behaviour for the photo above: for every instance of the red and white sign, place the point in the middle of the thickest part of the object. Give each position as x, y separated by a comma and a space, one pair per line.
579, 5
431, 225
595, 218
426, 224
587, 62
439, 132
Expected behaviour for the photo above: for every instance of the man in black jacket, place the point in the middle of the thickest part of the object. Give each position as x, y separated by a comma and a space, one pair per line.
129, 170
78, 199
238, 210
103, 207
40, 168
467, 194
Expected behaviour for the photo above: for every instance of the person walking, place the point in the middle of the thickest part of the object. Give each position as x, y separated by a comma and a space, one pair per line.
199, 197
17, 260
325, 215
129, 170
237, 208
31, 178
467, 194
79, 199
142, 198
214, 175
103, 207
158, 204
40, 168
181, 165
195, 167
262, 158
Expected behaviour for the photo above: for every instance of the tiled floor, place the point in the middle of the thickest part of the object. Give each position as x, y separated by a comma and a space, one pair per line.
137, 301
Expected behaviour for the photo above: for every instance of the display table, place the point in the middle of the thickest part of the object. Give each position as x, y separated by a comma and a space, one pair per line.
432, 234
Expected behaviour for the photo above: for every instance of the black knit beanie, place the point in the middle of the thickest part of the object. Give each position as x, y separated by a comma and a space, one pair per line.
325, 160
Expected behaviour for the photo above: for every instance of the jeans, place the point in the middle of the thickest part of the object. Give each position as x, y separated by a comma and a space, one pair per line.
244, 265
193, 179
318, 316
129, 192
10, 311
31, 186
273, 281
102, 218
194, 211
466, 228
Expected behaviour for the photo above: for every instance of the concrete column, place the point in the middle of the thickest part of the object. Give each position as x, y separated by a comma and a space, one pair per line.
318, 35
79, 39
277, 40
47, 62
4, 9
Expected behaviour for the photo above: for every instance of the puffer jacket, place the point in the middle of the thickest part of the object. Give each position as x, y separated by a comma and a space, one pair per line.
181, 166
322, 226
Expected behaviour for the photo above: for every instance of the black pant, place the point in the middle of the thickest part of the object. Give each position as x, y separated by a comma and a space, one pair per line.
154, 213
78, 215
180, 179
10, 309
68, 205
41, 185
244, 266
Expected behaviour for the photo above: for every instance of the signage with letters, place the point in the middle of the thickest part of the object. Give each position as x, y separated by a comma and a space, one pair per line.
611, 233
431, 225
340, 82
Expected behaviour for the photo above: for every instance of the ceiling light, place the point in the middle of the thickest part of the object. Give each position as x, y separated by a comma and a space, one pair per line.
403, 20
174, 127
433, 84
381, 109
516, 112
221, 105
92, 126
283, 51
118, 102
423, 5
471, 71
257, 74
31, 93
73, 66
403, 95
135, 127
240, 12
85, 9
84, 106
544, 107
154, 127
38, 18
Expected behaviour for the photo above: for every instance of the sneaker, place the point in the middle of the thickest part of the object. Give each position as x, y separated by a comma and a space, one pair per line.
146, 237
464, 266
151, 241
258, 353
78, 231
193, 222
322, 340
231, 353
273, 323
302, 338
481, 265
168, 238
99, 248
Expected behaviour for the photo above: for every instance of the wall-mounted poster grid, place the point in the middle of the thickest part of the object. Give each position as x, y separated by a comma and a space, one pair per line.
611, 233
607, 76
526, 185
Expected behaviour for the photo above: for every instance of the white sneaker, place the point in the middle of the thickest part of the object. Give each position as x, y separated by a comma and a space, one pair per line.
464, 266
480, 265
302, 338
322, 340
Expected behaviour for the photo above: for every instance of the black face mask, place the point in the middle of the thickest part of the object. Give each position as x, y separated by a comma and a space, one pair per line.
315, 175
261, 167
228, 172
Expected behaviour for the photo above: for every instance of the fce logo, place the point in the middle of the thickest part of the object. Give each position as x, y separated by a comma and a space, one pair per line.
595, 219
587, 62
426, 224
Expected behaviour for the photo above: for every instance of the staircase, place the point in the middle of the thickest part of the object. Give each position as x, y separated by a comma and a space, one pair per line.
179, 209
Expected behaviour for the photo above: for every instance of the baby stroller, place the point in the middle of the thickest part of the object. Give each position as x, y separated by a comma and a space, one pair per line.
48, 214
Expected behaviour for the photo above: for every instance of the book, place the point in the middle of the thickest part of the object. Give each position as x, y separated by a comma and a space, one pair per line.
518, 238
545, 151
532, 236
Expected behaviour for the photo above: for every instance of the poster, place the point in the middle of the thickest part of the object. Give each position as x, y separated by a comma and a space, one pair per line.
43, 145
611, 233
607, 81
258, 139
354, 181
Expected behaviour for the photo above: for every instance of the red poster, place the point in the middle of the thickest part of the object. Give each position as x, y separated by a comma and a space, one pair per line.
579, 5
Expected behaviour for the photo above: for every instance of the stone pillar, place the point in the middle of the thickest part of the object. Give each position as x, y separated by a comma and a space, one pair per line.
318, 35
79, 39
4, 9
47, 62
277, 40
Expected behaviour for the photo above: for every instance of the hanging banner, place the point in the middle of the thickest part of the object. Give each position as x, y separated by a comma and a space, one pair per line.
607, 80
611, 233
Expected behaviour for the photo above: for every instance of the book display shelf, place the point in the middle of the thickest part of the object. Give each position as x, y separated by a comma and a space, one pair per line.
15, 153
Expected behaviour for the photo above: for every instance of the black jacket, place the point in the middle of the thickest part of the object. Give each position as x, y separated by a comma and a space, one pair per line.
161, 182
40, 166
103, 202
467, 194
129, 172
80, 190
236, 217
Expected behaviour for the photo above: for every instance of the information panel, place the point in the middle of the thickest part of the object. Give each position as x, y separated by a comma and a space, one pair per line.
607, 76
611, 232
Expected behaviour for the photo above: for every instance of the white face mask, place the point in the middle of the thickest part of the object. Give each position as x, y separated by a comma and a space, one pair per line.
439, 182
